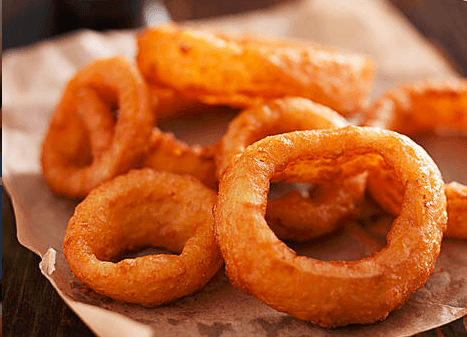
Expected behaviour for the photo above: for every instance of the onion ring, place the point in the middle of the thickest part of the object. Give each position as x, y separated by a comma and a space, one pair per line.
68, 165
421, 106
166, 153
217, 69
298, 218
269, 118
413, 108
332, 293
139, 209
456, 195
289, 216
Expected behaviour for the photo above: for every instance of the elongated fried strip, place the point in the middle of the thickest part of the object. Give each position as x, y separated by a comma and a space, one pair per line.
217, 69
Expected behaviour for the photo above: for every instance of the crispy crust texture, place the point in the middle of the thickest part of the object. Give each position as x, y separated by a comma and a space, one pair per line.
332, 293
217, 69
71, 165
139, 209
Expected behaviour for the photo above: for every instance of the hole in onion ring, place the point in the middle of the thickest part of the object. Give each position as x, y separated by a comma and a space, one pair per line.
144, 251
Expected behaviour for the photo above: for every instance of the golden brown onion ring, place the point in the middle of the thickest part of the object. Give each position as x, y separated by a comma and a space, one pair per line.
137, 210
166, 153
291, 215
217, 69
298, 218
421, 106
68, 165
269, 118
456, 195
332, 293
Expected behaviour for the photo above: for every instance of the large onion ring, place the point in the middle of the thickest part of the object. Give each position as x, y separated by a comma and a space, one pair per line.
136, 210
290, 215
217, 69
421, 106
68, 165
330, 293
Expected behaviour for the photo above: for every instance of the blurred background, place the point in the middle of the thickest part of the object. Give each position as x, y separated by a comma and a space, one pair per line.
28, 21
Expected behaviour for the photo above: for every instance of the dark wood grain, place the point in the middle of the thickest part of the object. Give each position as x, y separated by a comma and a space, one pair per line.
31, 307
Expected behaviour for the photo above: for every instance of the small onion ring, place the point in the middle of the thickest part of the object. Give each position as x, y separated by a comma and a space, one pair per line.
217, 69
298, 218
332, 293
68, 165
166, 153
456, 195
289, 216
421, 106
139, 209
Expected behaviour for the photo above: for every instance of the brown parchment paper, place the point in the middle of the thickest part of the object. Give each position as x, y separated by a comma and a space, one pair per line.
33, 80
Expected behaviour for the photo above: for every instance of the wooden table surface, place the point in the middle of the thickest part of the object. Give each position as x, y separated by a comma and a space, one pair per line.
31, 307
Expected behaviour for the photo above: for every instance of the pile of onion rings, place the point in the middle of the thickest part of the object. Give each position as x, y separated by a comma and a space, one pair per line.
144, 187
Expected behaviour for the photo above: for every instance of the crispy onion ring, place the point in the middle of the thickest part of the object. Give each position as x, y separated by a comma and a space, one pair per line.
136, 210
217, 69
298, 218
68, 165
414, 108
166, 153
421, 106
269, 118
290, 216
332, 293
